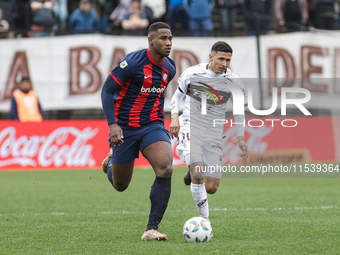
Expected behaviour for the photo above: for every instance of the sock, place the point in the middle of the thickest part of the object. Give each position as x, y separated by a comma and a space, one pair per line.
159, 197
109, 171
200, 196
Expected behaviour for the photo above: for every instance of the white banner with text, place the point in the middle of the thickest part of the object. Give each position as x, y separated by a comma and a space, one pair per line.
67, 72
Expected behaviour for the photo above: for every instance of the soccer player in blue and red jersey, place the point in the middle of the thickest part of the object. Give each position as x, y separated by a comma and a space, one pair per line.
133, 101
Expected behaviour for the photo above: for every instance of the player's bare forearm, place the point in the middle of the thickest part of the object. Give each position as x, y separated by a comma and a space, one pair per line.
243, 146
116, 134
174, 126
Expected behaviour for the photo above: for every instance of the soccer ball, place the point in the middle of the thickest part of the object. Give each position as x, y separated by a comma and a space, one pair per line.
197, 229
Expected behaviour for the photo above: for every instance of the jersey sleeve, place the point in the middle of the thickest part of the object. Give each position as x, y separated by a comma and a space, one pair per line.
125, 69
239, 83
181, 91
117, 78
184, 81
107, 96
240, 119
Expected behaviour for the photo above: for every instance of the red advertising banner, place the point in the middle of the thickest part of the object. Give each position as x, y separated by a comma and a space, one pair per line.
279, 139
84, 144
52, 144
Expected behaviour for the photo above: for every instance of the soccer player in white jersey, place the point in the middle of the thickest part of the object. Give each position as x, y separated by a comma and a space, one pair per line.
199, 142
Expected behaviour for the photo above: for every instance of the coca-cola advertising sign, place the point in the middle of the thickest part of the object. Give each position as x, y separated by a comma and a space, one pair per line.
84, 144
52, 144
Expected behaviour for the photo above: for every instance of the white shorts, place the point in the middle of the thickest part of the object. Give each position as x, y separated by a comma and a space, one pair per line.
206, 151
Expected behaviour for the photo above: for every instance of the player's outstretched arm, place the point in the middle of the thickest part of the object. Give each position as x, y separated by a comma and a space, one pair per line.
174, 126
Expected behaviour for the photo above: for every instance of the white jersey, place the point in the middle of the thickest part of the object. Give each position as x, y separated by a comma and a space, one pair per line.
198, 81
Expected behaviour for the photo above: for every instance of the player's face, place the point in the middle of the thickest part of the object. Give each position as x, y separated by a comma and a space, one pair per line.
219, 61
162, 42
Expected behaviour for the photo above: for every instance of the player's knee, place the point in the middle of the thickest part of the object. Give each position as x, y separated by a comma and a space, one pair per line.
120, 186
211, 189
197, 179
165, 170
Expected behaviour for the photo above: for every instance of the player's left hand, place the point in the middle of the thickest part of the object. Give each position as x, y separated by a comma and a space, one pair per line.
244, 148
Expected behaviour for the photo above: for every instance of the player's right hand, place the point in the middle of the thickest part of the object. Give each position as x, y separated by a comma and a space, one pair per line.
174, 126
244, 148
116, 134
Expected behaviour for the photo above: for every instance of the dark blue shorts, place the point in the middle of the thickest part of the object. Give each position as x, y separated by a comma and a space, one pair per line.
136, 139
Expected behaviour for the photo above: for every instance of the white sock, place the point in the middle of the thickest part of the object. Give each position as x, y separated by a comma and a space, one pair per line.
200, 196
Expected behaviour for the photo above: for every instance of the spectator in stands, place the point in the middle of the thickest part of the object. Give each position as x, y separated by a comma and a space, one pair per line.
292, 14
324, 14
60, 9
43, 17
103, 17
176, 12
156, 9
119, 13
4, 26
257, 11
228, 12
84, 19
135, 21
25, 105
200, 17
9, 11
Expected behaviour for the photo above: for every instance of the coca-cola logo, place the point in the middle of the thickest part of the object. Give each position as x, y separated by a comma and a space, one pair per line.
65, 146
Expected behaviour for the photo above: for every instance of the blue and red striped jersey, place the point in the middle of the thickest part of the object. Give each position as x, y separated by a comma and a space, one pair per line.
142, 82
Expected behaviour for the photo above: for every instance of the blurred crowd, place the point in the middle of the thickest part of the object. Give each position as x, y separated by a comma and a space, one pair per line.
26, 18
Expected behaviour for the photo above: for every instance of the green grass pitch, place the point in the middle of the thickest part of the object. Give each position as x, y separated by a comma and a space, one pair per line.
78, 212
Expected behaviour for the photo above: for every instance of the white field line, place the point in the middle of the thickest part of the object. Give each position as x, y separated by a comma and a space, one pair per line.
179, 211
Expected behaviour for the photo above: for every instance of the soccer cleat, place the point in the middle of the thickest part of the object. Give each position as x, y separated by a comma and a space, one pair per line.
106, 162
187, 178
152, 234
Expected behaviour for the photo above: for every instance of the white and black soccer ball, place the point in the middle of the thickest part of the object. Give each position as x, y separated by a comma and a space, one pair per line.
196, 230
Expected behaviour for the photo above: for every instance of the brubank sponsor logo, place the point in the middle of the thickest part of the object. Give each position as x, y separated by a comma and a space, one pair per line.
238, 105
153, 89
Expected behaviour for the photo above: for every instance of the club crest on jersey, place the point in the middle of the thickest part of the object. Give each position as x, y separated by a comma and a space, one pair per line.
165, 76
123, 64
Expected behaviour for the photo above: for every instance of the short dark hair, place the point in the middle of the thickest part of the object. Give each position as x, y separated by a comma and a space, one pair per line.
25, 78
221, 46
157, 25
